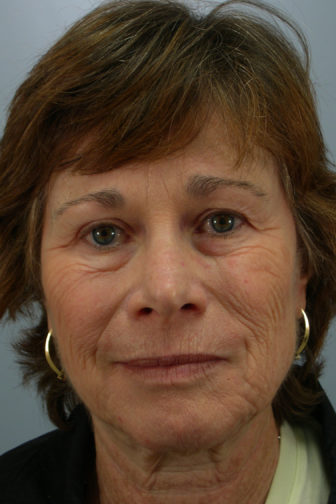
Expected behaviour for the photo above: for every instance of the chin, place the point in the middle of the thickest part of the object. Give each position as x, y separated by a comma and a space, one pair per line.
182, 432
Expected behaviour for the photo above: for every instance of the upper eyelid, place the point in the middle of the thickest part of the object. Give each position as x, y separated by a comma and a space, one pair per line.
232, 213
86, 229
225, 212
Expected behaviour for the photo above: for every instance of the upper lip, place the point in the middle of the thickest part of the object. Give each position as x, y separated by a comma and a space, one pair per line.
171, 360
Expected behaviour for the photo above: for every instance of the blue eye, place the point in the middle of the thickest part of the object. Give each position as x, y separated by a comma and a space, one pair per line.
104, 235
222, 223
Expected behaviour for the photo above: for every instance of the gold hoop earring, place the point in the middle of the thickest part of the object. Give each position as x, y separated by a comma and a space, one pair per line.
59, 372
305, 338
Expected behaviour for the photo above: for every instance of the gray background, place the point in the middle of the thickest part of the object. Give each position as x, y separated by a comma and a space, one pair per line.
27, 28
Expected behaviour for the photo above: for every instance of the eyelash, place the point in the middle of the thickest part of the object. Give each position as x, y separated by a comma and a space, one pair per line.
204, 225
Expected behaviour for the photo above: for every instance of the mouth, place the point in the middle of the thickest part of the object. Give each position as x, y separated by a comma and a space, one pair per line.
172, 360
172, 369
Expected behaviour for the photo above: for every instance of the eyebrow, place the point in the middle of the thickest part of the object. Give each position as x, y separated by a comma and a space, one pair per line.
203, 185
110, 198
198, 186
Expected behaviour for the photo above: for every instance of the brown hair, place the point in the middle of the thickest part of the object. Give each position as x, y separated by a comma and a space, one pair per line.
137, 79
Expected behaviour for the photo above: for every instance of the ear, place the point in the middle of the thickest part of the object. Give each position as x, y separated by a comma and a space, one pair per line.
49, 321
301, 296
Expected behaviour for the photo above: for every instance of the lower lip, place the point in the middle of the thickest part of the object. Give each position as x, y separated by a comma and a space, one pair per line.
174, 373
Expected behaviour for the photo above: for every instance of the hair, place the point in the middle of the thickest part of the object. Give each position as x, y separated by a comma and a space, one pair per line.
136, 80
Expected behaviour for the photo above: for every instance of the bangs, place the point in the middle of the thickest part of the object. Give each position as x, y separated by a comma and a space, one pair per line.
148, 93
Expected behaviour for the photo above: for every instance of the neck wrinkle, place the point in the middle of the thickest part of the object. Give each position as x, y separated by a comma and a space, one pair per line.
239, 471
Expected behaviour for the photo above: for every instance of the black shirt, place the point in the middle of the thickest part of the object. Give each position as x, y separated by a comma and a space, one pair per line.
51, 469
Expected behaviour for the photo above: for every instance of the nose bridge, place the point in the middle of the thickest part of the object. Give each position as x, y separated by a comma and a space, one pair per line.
168, 280
167, 275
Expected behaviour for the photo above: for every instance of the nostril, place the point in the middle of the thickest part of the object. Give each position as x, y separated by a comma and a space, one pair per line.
146, 310
187, 306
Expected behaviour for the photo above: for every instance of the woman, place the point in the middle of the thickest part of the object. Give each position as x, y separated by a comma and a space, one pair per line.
167, 202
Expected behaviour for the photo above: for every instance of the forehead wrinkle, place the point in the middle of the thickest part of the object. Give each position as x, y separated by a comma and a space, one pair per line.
151, 188
203, 185
110, 198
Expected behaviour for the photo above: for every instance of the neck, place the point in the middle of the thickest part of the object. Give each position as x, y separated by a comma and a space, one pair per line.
238, 470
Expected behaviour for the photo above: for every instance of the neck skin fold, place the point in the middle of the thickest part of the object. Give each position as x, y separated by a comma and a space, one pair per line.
239, 470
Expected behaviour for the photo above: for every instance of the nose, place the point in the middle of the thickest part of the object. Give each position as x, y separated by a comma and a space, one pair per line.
168, 282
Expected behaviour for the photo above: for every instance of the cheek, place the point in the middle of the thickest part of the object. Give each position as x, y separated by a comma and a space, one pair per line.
80, 303
257, 290
258, 283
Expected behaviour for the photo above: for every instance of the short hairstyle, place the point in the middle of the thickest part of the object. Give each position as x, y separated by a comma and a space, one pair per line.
137, 80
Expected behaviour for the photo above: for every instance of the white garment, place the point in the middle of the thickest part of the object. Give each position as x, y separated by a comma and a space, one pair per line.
300, 477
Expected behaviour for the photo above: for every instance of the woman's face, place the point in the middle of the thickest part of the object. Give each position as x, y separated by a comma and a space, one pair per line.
173, 289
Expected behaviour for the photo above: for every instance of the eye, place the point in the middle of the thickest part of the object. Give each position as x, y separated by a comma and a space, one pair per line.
106, 235
222, 223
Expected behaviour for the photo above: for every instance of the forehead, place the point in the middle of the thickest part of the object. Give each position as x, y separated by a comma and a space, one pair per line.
211, 153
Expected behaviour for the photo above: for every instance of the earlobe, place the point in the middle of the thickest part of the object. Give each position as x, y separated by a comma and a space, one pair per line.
303, 277
302, 294
50, 324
